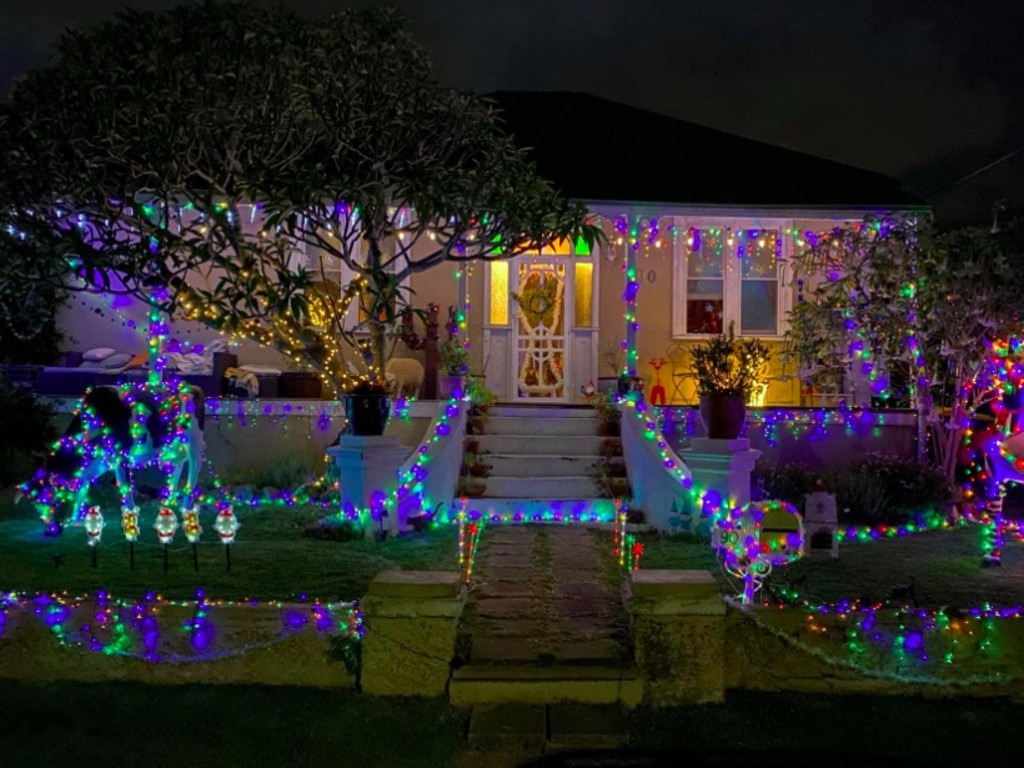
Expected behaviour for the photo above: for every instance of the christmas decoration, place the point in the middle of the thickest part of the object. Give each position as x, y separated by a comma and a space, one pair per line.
93, 524
757, 538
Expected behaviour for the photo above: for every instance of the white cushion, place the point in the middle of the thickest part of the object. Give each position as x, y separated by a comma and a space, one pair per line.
96, 354
117, 360
266, 370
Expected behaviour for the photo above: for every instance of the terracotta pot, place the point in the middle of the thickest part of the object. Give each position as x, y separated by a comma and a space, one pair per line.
722, 415
367, 414
450, 386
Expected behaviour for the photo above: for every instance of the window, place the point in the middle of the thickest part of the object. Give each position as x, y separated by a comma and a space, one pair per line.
729, 277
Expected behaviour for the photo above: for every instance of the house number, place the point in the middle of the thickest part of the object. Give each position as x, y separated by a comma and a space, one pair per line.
649, 276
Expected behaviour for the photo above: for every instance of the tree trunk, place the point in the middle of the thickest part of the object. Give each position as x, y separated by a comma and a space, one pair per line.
377, 330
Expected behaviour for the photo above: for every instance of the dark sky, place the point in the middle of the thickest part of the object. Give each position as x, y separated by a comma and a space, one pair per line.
926, 91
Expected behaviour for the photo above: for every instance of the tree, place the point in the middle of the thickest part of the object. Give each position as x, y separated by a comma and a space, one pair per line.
161, 135
897, 297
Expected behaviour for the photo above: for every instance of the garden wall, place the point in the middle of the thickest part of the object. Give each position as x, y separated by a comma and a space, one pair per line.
248, 439
276, 644
900, 653
694, 646
813, 437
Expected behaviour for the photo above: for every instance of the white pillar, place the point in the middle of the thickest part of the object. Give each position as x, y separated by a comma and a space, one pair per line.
723, 466
366, 466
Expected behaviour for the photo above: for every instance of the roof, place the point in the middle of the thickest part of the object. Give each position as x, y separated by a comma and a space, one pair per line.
593, 149
993, 194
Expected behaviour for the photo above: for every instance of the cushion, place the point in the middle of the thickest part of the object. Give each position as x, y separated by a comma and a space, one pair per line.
96, 354
261, 369
115, 361
140, 360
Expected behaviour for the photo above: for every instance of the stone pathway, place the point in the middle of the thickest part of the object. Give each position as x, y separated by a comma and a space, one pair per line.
545, 596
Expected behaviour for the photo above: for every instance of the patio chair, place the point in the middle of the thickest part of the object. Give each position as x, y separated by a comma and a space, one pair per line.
684, 384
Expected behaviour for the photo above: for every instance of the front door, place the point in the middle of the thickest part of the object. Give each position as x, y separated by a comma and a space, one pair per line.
541, 349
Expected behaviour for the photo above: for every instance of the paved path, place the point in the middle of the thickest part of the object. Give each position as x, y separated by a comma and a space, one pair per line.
545, 595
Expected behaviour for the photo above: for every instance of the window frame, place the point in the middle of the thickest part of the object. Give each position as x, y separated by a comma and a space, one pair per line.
732, 277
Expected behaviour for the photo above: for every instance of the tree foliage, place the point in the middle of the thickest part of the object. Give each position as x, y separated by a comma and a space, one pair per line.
237, 156
895, 296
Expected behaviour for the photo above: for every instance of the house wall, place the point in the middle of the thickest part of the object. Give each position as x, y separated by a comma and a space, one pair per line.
102, 321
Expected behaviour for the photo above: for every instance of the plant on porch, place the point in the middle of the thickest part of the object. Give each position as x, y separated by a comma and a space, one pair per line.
729, 373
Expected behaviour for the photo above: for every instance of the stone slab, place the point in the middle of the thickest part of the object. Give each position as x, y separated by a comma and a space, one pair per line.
417, 584
533, 684
507, 550
583, 607
589, 651
504, 589
507, 607
673, 583
582, 726
580, 590
413, 607
510, 538
508, 627
522, 724
509, 559
498, 649
504, 572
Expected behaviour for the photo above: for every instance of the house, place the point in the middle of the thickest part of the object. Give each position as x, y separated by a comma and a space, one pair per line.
709, 220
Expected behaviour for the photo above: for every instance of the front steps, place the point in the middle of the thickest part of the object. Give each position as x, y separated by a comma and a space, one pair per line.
542, 458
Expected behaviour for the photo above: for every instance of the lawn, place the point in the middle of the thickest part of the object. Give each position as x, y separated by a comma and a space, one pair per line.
130, 724
272, 559
944, 567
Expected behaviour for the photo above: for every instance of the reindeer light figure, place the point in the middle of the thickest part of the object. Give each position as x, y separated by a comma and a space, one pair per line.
122, 429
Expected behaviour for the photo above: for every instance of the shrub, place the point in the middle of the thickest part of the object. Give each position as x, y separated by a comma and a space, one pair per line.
26, 422
287, 472
786, 482
877, 488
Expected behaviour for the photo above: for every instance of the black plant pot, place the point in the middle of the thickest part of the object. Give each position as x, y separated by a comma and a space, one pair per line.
722, 415
367, 414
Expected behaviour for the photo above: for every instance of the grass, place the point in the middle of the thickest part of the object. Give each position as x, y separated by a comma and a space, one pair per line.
945, 566
271, 558
131, 724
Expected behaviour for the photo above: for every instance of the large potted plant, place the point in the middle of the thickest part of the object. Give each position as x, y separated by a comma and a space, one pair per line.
728, 371
451, 380
367, 407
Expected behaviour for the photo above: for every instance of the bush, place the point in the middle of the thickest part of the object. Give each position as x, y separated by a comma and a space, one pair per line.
876, 489
333, 529
26, 423
287, 472
786, 482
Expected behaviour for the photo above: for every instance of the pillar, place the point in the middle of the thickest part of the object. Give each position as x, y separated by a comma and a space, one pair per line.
410, 619
723, 466
678, 620
368, 466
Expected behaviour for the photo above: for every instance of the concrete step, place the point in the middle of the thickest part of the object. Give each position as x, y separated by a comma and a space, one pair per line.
509, 684
543, 411
572, 487
558, 445
540, 465
541, 425
592, 510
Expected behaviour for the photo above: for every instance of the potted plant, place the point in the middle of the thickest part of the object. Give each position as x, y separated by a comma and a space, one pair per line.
367, 407
471, 486
728, 372
481, 399
608, 411
454, 358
